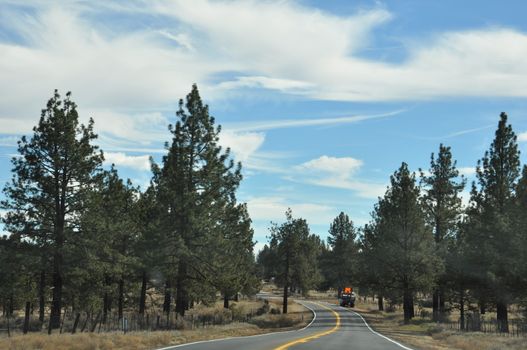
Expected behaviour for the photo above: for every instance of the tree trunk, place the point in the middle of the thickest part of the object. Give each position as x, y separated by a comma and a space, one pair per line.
286, 287
26, 317
41, 297
56, 303
225, 301
503, 322
88, 316
94, 325
121, 298
435, 305
407, 305
11, 305
380, 302
441, 301
482, 307
105, 307
181, 292
284, 305
76, 323
168, 297
142, 297
462, 310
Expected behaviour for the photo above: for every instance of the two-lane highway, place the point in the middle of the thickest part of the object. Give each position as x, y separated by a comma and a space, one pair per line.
333, 327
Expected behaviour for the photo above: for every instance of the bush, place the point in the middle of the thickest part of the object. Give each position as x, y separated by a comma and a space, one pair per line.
275, 321
275, 311
264, 309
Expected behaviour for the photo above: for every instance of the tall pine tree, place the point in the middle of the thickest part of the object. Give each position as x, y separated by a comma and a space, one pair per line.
55, 169
443, 208
401, 245
198, 179
492, 237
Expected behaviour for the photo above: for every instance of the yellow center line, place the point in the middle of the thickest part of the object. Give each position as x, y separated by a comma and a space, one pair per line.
314, 336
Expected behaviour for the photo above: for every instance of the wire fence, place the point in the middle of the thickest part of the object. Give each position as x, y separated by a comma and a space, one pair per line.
77, 322
516, 328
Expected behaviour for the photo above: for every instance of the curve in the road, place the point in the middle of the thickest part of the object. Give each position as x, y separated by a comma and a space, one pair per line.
316, 335
377, 333
332, 327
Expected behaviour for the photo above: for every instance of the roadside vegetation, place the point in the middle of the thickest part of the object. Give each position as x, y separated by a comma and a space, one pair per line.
424, 333
251, 318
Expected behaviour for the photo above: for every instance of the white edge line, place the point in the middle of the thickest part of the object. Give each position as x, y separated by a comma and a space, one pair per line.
247, 336
377, 333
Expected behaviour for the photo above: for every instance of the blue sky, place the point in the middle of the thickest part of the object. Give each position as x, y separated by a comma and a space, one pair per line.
320, 100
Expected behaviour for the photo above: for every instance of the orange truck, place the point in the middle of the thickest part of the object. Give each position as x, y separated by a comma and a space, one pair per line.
347, 297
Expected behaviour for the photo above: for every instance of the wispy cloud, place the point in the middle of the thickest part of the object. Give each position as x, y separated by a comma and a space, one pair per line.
9, 141
458, 133
272, 45
336, 172
274, 208
292, 123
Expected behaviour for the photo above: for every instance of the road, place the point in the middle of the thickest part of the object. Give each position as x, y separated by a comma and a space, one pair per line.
333, 327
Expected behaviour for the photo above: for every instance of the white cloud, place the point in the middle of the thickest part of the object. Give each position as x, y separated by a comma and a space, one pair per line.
465, 198
274, 208
337, 173
283, 41
258, 246
268, 83
283, 46
294, 123
467, 171
124, 160
522, 137
340, 167
243, 144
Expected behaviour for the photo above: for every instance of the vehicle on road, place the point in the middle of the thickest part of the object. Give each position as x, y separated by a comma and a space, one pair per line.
347, 297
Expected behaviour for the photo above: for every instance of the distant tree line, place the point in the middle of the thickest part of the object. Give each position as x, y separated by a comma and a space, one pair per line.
84, 239
421, 239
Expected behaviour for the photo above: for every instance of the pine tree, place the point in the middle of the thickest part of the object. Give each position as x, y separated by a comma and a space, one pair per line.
342, 258
297, 254
492, 238
520, 223
403, 246
55, 169
196, 181
443, 209
233, 269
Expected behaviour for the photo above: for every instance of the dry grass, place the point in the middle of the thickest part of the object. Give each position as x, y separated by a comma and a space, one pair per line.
297, 318
480, 341
424, 334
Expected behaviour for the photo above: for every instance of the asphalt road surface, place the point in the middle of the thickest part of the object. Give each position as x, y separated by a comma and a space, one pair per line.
333, 327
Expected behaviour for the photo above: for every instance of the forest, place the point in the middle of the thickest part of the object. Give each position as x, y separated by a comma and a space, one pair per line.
84, 240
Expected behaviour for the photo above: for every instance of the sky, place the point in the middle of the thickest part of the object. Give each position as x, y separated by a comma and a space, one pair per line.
321, 101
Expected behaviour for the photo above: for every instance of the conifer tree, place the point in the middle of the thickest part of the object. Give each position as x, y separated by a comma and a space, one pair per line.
403, 246
296, 252
55, 169
342, 258
492, 238
197, 180
443, 209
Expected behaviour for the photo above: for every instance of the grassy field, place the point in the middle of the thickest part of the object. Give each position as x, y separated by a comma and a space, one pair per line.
268, 322
424, 334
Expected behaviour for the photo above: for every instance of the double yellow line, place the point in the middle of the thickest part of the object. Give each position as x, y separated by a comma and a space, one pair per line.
316, 335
